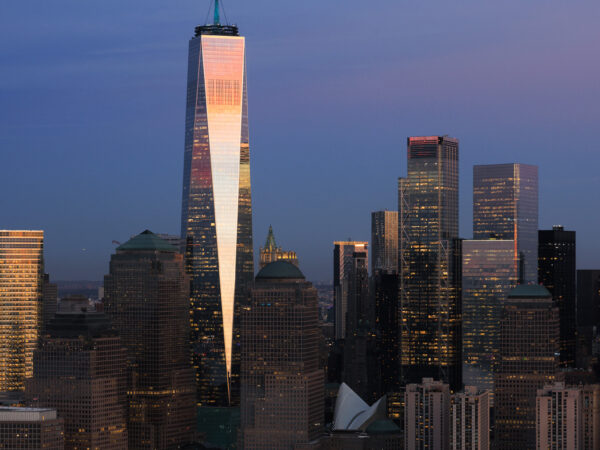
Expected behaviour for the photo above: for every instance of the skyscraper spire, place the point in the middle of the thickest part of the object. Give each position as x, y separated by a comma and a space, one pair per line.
217, 19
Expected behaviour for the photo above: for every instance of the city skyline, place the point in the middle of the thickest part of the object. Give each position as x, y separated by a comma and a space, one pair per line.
493, 128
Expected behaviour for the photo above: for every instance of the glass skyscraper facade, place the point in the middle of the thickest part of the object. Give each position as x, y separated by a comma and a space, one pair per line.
488, 273
216, 219
505, 206
384, 241
21, 277
429, 262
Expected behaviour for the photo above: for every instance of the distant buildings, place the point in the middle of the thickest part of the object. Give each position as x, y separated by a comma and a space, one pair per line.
505, 206
80, 370
282, 384
384, 242
31, 428
216, 219
429, 259
426, 415
528, 360
146, 297
488, 273
470, 419
557, 272
49, 300
343, 268
271, 253
21, 279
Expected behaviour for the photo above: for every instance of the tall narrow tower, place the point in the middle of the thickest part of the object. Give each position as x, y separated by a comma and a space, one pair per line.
216, 220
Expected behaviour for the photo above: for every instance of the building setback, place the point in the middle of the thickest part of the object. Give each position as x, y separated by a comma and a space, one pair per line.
21, 279
282, 384
557, 272
80, 370
216, 218
528, 360
429, 262
147, 299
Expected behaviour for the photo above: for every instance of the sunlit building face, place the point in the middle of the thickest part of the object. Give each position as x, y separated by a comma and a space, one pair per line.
216, 213
21, 273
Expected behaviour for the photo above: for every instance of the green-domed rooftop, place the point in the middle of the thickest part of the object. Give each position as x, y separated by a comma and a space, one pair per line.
529, 291
279, 270
385, 426
147, 240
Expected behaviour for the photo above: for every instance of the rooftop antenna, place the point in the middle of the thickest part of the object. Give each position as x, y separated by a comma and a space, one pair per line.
217, 19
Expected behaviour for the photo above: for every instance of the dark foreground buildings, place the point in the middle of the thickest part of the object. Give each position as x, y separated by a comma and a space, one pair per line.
80, 370
282, 383
147, 299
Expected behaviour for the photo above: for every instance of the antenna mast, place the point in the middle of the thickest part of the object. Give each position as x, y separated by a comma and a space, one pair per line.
217, 19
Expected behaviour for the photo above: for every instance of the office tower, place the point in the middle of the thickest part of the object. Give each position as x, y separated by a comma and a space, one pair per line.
384, 241
505, 206
176, 241
488, 273
557, 272
147, 300
588, 313
281, 381
343, 262
385, 290
426, 415
21, 275
429, 262
49, 300
30, 428
271, 253
216, 219
470, 419
80, 370
528, 360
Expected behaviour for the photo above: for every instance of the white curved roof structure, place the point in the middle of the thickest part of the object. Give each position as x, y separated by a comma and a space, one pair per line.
353, 414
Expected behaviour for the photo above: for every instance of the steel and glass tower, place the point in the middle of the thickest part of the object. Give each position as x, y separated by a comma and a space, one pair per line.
216, 218
505, 206
429, 262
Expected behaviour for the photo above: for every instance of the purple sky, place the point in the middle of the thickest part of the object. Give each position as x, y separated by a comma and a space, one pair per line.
92, 99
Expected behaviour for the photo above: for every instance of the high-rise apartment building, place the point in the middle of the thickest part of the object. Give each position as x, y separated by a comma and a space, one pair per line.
426, 415
343, 268
21, 279
80, 370
528, 360
470, 419
31, 429
384, 242
281, 381
271, 253
558, 273
505, 206
147, 299
216, 221
429, 260
488, 273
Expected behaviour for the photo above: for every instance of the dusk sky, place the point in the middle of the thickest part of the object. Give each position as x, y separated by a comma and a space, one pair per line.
92, 108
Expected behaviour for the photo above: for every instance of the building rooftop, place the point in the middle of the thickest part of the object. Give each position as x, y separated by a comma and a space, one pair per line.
385, 426
147, 240
279, 270
72, 325
18, 414
529, 291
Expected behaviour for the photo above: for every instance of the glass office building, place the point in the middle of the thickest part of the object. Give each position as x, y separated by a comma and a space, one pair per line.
488, 273
429, 262
384, 242
505, 206
216, 211
21, 277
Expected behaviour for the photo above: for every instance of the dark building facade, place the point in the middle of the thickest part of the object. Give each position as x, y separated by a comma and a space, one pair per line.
588, 314
428, 262
505, 206
384, 241
147, 298
528, 360
80, 371
282, 383
216, 221
385, 292
558, 273
49, 300
31, 429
